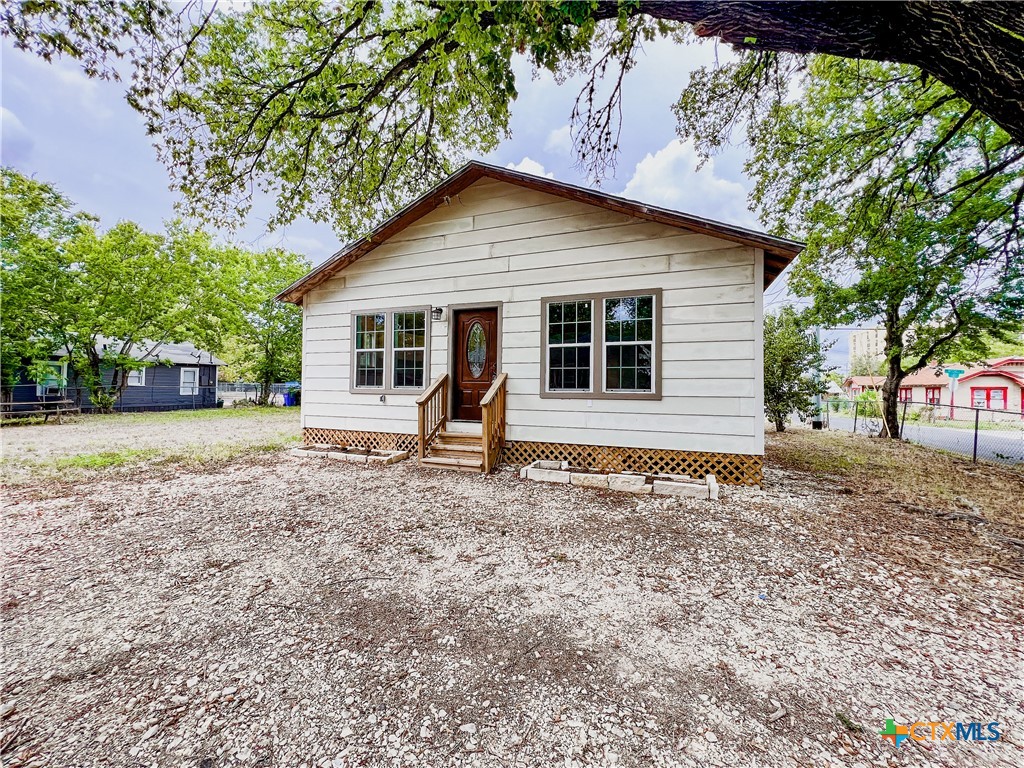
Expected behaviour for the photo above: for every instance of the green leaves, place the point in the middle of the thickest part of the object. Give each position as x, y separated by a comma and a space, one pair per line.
106, 296
794, 366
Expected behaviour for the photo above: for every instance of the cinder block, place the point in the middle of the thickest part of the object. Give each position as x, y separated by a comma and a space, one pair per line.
355, 458
629, 483
548, 475
542, 464
588, 480
304, 452
697, 491
712, 482
388, 457
523, 471
672, 477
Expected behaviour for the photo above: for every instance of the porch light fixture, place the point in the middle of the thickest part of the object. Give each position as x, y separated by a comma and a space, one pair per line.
436, 312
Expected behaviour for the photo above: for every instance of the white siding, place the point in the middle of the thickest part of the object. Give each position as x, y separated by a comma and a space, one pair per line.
501, 243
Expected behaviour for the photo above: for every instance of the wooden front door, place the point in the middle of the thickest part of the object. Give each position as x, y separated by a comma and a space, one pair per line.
475, 358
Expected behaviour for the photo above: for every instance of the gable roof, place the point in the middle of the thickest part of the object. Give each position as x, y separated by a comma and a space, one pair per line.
178, 353
1012, 376
778, 251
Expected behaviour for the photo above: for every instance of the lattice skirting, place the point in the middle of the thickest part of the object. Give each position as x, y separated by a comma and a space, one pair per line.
379, 441
728, 468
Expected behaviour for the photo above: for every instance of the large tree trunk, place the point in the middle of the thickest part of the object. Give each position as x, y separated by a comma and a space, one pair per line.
894, 375
975, 48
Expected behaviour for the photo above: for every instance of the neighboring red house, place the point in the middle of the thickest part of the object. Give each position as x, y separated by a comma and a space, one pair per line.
997, 386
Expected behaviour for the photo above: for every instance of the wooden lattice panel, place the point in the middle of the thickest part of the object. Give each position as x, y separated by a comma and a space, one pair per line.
374, 441
728, 468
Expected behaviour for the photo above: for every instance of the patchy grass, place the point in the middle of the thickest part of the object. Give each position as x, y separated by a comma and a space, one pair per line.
204, 414
105, 459
89, 447
893, 471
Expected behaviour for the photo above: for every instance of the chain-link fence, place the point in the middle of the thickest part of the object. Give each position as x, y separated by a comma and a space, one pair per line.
230, 391
983, 434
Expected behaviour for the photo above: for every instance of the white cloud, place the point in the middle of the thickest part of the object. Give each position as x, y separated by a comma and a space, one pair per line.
68, 86
670, 178
559, 141
531, 166
15, 141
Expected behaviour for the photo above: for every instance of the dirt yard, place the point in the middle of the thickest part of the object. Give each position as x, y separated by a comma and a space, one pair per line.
264, 610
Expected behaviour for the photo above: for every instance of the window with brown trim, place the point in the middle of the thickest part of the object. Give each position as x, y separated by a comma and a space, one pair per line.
390, 350
369, 357
601, 346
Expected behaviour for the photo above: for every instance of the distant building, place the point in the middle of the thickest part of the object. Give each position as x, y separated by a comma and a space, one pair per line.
997, 385
867, 344
179, 376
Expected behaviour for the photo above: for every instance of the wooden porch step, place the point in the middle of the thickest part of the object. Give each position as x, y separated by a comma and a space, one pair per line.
448, 462
460, 447
460, 437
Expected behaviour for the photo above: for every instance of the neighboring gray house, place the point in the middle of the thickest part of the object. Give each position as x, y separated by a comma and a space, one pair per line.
181, 376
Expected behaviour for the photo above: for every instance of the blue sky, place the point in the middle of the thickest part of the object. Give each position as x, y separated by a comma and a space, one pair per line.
62, 127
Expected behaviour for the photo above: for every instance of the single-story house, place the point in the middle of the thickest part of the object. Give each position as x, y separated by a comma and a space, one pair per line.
503, 313
996, 385
179, 376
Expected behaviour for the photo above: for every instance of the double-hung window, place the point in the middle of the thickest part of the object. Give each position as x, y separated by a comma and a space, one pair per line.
188, 382
55, 380
370, 336
390, 350
601, 346
570, 345
137, 378
629, 344
992, 398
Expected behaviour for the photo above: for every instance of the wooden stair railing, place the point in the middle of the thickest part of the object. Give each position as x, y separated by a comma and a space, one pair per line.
432, 407
492, 408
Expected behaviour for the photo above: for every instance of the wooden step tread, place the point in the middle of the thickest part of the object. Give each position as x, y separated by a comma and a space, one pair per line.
459, 437
464, 447
445, 461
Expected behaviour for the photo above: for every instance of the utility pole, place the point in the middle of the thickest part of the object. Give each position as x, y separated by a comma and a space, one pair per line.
816, 421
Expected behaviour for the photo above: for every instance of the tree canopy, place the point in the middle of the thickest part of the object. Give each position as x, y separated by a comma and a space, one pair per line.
107, 300
910, 201
343, 111
794, 367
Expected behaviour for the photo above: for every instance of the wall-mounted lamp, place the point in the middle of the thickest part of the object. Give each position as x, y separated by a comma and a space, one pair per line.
436, 313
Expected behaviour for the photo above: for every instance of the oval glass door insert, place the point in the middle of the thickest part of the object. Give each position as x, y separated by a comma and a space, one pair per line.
476, 350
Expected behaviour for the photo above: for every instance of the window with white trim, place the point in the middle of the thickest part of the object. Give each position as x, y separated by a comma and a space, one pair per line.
570, 345
629, 344
137, 378
188, 382
369, 362
55, 381
409, 349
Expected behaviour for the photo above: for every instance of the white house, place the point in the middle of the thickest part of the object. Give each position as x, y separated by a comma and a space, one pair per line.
995, 385
503, 313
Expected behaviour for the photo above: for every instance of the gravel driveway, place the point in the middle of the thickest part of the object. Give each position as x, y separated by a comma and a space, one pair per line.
278, 611
166, 432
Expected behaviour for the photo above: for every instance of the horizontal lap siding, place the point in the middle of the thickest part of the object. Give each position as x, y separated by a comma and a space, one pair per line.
498, 243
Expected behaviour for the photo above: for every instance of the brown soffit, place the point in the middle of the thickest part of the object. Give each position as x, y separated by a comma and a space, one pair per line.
778, 251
